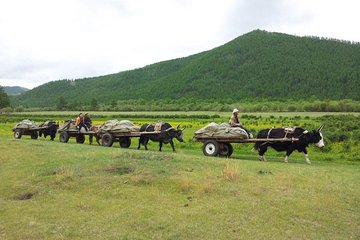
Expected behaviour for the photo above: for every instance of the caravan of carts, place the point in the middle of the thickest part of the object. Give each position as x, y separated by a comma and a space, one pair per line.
107, 135
212, 145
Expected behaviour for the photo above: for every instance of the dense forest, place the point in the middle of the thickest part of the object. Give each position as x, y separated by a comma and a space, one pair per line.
257, 66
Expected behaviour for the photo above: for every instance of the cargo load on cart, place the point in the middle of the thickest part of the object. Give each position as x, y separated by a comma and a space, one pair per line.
223, 130
116, 126
69, 126
115, 130
26, 124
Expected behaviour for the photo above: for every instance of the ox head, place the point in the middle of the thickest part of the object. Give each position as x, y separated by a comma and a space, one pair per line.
179, 133
316, 137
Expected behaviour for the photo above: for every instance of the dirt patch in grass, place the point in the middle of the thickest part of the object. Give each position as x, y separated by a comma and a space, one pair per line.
119, 170
25, 196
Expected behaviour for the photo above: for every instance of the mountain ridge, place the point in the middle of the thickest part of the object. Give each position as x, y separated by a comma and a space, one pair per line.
14, 90
258, 64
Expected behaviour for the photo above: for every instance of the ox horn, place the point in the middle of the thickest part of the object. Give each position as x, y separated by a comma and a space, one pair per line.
178, 128
320, 128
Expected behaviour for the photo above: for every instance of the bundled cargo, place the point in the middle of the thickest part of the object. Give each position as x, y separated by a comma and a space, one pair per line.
116, 126
223, 130
69, 126
26, 124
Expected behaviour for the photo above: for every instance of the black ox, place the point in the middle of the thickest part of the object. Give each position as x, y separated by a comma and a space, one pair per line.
166, 135
305, 138
49, 128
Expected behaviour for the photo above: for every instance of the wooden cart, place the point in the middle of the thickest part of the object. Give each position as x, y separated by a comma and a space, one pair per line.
46, 128
124, 138
65, 135
33, 132
218, 146
107, 138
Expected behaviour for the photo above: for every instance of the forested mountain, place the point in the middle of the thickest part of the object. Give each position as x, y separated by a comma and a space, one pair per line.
15, 90
257, 65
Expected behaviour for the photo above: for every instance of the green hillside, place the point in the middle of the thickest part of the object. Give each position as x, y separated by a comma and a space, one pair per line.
14, 90
257, 65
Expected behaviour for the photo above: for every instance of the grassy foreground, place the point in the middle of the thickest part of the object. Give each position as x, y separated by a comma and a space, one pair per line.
50, 190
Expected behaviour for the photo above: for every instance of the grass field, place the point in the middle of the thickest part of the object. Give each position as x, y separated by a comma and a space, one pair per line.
50, 190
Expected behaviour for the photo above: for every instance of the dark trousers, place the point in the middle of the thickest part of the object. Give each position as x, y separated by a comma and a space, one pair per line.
82, 125
247, 131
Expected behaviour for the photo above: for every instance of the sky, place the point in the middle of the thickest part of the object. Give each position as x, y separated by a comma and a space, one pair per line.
47, 40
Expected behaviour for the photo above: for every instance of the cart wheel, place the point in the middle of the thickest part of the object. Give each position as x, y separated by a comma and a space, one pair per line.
225, 149
64, 137
107, 140
125, 142
211, 148
34, 135
17, 133
80, 138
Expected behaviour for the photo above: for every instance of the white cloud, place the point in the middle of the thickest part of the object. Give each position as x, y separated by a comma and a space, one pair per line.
43, 40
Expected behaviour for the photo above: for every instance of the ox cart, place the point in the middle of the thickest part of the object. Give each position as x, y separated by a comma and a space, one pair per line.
217, 139
221, 146
28, 127
107, 138
109, 132
33, 132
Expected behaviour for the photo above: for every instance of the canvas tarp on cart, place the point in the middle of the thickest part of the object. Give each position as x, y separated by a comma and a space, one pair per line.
223, 130
26, 124
118, 126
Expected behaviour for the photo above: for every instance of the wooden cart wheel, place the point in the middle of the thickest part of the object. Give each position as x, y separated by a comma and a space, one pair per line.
64, 137
34, 135
125, 142
225, 149
211, 148
107, 140
80, 138
17, 133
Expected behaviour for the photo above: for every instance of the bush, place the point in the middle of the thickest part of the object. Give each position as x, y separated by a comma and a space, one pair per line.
19, 108
6, 110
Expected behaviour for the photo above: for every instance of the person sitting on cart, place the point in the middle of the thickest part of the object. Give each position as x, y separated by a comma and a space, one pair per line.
235, 122
80, 122
87, 121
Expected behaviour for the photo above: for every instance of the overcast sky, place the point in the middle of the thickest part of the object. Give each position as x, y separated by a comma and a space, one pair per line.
46, 40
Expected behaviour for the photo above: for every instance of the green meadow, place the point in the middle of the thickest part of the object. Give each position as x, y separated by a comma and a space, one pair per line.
51, 190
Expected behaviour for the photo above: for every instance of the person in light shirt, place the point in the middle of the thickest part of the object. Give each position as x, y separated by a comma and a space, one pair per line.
235, 122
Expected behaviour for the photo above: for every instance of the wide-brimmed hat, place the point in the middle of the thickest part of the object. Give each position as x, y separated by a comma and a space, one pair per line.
235, 110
